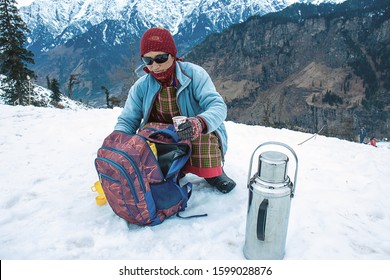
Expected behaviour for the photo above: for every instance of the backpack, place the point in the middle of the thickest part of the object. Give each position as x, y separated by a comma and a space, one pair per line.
139, 187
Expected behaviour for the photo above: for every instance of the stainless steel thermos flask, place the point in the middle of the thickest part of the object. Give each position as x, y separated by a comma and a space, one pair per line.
270, 194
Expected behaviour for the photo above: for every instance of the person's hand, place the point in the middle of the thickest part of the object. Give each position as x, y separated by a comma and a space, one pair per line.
191, 129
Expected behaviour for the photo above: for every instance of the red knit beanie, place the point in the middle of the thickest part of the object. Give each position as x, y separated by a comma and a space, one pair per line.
157, 39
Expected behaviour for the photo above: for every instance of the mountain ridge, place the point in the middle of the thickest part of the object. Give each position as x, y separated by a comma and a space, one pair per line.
99, 41
304, 70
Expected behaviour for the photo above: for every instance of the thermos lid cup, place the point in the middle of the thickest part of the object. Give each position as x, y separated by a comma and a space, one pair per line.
273, 167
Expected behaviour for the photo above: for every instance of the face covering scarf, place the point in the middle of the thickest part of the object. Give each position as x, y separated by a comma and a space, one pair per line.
164, 77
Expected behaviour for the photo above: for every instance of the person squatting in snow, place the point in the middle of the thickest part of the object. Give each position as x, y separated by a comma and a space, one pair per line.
373, 142
176, 88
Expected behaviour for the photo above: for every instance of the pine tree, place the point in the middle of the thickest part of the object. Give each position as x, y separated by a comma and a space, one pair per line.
55, 88
14, 57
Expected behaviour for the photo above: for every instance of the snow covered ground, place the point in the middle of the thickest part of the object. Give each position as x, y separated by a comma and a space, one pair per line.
341, 210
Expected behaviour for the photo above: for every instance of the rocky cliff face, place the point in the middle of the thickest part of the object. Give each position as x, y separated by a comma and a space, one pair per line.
306, 67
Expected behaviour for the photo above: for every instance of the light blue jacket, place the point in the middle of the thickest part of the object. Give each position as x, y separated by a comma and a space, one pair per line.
196, 96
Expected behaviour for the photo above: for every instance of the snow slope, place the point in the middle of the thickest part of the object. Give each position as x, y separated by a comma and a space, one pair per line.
341, 210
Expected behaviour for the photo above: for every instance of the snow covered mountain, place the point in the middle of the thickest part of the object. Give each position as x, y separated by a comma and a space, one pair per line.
54, 22
96, 38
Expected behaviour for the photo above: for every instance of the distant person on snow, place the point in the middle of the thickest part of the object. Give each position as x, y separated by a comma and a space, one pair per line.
373, 142
176, 88
362, 134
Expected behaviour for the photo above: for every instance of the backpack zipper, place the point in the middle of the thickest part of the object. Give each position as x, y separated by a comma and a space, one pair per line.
132, 190
124, 173
126, 156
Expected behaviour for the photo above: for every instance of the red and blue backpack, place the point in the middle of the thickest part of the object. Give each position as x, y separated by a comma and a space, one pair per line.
141, 188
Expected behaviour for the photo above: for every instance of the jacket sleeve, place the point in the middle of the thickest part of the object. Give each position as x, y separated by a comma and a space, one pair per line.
214, 109
130, 118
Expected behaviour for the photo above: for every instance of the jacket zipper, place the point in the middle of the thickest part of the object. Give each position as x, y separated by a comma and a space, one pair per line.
150, 108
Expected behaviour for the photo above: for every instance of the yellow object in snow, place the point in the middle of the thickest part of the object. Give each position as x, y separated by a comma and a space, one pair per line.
152, 147
101, 198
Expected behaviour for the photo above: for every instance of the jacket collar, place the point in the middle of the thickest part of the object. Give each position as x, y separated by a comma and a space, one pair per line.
183, 78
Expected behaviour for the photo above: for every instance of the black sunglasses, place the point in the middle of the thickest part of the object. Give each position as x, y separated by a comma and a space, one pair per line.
161, 58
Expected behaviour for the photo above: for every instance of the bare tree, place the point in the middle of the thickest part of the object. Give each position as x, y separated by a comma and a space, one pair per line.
73, 80
107, 96
267, 112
